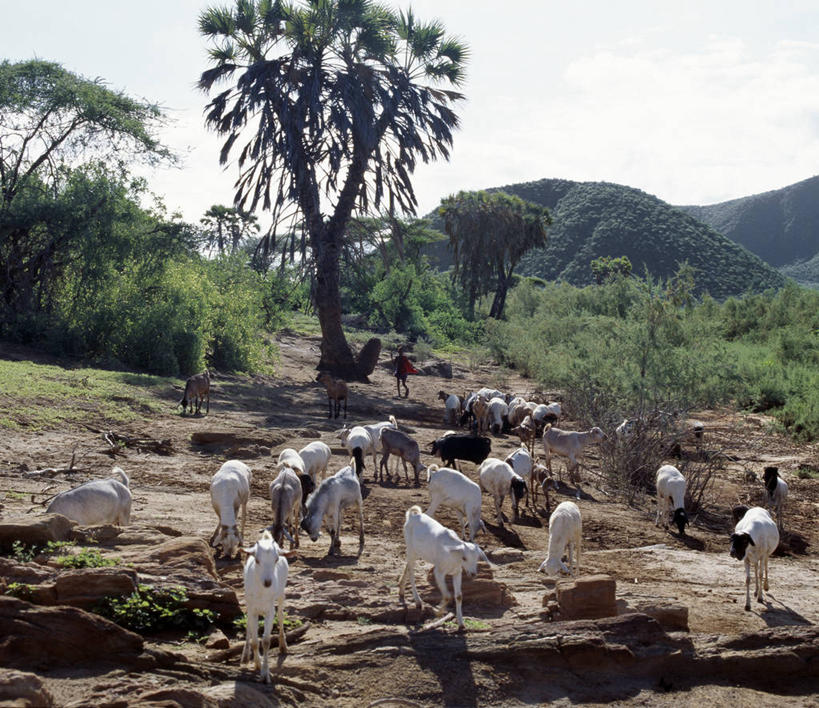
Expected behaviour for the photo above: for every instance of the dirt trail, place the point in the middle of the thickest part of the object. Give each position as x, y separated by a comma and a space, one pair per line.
353, 596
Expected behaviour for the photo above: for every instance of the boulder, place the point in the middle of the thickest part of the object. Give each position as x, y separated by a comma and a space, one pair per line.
85, 587
35, 531
18, 688
588, 597
442, 369
367, 358
483, 589
35, 637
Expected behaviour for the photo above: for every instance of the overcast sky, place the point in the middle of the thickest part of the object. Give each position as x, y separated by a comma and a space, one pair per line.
696, 102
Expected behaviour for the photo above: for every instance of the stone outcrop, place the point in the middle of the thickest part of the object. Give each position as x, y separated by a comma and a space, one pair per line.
35, 531
21, 689
586, 597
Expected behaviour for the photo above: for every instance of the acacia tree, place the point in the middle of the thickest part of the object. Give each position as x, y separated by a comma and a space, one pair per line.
51, 122
489, 233
339, 99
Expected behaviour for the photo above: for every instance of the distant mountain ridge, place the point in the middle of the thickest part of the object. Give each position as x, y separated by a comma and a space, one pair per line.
593, 219
780, 226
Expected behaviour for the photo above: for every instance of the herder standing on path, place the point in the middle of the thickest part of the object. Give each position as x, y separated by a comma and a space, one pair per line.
402, 367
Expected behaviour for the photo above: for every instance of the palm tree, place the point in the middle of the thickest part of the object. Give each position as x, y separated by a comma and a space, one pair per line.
225, 227
338, 100
489, 233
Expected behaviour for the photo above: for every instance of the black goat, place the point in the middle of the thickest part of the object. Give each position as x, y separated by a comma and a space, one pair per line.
462, 447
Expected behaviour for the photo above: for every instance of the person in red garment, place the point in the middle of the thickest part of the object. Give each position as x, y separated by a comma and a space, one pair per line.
402, 367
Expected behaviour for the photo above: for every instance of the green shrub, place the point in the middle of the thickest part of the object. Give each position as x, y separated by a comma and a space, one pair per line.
153, 609
86, 558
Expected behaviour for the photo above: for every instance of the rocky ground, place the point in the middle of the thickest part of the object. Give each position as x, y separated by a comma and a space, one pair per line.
357, 644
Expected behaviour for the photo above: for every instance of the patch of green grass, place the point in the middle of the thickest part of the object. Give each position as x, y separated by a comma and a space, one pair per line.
307, 325
808, 473
43, 396
86, 558
19, 496
153, 609
363, 620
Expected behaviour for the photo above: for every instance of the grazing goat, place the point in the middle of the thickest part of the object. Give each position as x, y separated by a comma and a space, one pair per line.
461, 447
450, 487
286, 501
565, 531
626, 429
527, 432
308, 486
489, 393
290, 458
498, 412
358, 443
754, 539
337, 392
101, 501
546, 413
197, 388
499, 479
671, 496
521, 462
428, 540
265, 579
230, 489
776, 492
374, 431
569, 444
327, 505
480, 412
315, 456
453, 405
398, 443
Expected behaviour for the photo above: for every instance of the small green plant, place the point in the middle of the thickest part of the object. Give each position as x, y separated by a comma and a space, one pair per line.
289, 623
86, 558
364, 620
23, 553
152, 609
23, 591
19, 496
806, 472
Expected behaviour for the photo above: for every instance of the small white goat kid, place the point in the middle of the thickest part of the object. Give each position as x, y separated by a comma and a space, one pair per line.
565, 531
101, 501
754, 539
428, 540
265, 576
229, 490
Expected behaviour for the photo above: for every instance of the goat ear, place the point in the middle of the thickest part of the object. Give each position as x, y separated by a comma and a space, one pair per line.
750, 540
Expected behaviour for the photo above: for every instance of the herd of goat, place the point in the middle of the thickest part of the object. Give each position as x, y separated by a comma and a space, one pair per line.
304, 497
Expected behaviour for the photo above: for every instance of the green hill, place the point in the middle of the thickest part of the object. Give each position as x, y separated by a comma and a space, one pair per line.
593, 219
781, 227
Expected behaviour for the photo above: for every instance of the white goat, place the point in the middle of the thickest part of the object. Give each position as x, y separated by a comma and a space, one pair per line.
101, 501
546, 413
499, 479
754, 539
428, 540
316, 456
290, 458
498, 410
327, 505
626, 429
489, 393
565, 530
285, 500
374, 430
521, 462
671, 497
569, 444
776, 492
450, 487
358, 443
265, 580
453, 405
230, 489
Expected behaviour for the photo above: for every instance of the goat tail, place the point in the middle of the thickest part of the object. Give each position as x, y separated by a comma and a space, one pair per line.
431, 469
119, 472
393, 421
547, 427
358, 457
413, 511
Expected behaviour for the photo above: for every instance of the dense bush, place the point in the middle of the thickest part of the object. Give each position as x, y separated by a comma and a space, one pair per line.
630, 346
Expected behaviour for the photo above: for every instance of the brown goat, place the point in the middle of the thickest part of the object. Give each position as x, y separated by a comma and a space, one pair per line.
197, 388
336, 391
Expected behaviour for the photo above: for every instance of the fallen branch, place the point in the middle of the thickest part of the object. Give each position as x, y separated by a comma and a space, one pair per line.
116, 443
236, 649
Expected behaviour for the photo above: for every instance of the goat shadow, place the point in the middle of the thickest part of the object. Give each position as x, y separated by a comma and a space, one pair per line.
778, 614
505, 535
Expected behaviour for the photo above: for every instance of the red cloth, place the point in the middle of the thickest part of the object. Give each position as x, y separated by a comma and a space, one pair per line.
404, 365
